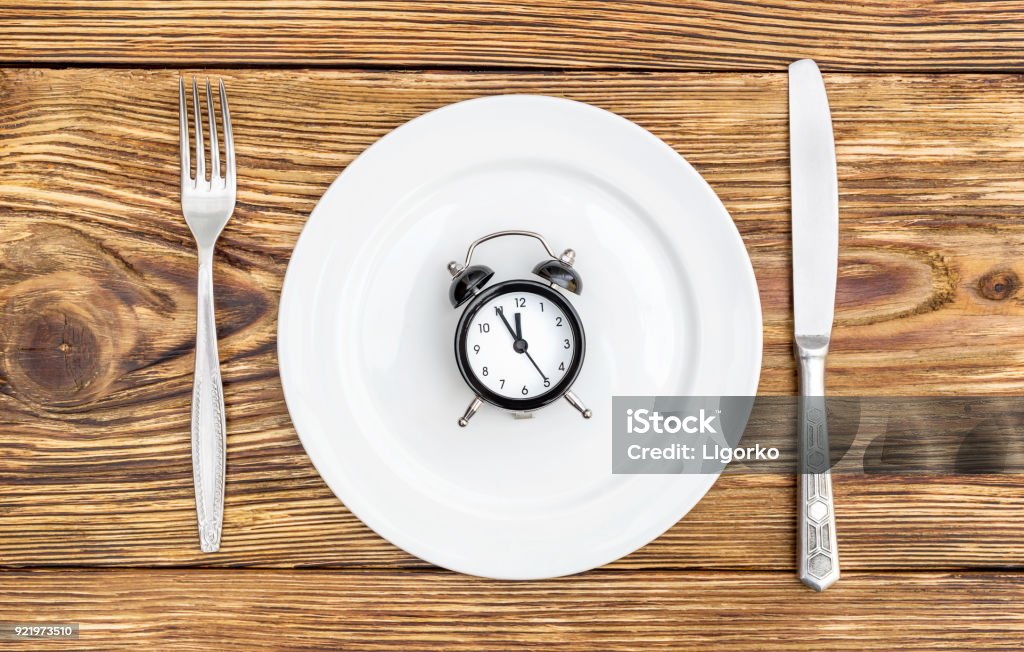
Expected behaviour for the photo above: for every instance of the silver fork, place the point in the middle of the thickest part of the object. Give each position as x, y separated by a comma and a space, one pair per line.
207, 204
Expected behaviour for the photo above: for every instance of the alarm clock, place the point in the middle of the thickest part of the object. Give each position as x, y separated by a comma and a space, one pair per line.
519, 344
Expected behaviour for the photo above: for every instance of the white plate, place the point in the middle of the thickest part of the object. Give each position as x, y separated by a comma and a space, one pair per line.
670, 306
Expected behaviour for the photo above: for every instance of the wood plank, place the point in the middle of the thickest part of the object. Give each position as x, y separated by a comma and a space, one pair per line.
925, 35
245, 610
97, 302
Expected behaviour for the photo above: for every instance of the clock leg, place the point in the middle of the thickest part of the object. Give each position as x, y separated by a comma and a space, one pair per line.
578, 404
470, 411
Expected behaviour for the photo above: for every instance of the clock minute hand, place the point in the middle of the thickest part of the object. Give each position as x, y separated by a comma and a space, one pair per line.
501, 313
521, 345
530, 357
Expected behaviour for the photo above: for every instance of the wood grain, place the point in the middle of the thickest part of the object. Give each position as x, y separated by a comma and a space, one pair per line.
875, 35
97, 302
246, 610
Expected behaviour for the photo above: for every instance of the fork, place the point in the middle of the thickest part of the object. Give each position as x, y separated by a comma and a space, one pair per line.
207, 204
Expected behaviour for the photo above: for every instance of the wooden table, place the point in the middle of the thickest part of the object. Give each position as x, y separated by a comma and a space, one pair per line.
97, 312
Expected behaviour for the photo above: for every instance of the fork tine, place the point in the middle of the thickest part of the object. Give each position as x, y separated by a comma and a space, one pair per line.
214, 148
200, 156
229, 140
186, 164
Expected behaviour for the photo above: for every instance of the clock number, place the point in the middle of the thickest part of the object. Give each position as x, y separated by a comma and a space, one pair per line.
561, 367
567, 345
502, 383
520, 302
486, 328
485, 372
525, 391
558, 321
542, 306
547, 383
476, 348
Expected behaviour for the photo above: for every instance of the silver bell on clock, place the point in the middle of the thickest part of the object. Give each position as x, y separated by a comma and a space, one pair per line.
520, 343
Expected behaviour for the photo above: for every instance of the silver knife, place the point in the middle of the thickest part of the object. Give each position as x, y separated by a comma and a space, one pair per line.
815, 197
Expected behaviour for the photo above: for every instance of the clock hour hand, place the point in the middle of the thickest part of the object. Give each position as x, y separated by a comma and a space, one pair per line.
521, 346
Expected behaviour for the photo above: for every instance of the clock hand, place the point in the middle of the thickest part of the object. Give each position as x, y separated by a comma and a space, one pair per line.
501, 313
534, 364
520, 344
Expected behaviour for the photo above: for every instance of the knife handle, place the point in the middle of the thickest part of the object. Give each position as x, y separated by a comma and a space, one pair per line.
209, 448
817, 552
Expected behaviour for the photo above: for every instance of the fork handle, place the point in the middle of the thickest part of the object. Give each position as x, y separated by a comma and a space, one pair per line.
208, 426
817, 551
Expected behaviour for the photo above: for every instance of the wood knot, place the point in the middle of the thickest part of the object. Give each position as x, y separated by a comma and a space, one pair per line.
61, 353
58, 352
998, 285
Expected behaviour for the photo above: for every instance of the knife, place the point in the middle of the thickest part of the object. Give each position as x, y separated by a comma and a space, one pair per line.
815, 198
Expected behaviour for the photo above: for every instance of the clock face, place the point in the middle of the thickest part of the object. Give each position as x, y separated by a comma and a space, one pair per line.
520, 345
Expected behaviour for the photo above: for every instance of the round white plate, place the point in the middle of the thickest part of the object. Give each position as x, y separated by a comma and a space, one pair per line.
670, 306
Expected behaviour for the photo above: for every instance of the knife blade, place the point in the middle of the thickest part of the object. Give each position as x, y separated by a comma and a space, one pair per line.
814, 192
815, 196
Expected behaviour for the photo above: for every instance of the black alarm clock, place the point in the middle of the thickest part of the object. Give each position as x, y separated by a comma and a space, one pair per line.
519, 344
